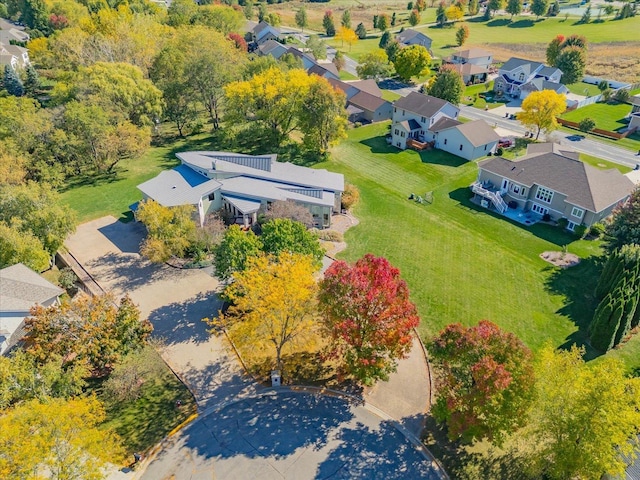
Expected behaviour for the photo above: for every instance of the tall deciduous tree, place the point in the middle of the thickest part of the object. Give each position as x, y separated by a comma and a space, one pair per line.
273, 304
474, 7
346, 35
493, 6
22, 247
301, 18
36, 208
88, 329
448, 85
540, 109
235, 250
284, 235
338, 60
65, 437
222, 18
572, 61
374, 65
539, 7
462, 34
383, 22
367, 313
584, 417
317, 47
323, 119
553, 49
454, 13
514, 7
414, 18
346, 19
412, 61
486, 383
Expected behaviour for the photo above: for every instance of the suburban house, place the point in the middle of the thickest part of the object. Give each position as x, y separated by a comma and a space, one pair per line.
322, 68
519, 77
550, 180
20, 289
364, 100
635, 103
413, 37
240, 185
472, 64
420, 120
11, 32
263, 32
14, 56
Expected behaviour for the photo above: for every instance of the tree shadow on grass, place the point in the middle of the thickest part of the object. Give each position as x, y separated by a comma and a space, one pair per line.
499, 22
544, 231
524, 23
576, 285
462, 462
379, 145
438, 157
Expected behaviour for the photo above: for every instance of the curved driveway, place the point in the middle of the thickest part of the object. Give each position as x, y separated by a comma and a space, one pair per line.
291, 435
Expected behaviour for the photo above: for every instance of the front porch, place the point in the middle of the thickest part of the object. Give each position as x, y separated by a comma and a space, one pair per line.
244, 211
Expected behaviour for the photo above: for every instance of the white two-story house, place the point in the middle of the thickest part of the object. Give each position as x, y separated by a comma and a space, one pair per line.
519, 77
414, 114
472, 64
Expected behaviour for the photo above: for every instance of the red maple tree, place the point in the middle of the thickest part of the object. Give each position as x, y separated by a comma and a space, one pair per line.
485, 381
368, 314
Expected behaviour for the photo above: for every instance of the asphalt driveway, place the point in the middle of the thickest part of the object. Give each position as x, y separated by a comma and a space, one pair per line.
291, 435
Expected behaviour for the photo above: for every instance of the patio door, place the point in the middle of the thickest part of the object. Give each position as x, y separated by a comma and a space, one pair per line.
504, 186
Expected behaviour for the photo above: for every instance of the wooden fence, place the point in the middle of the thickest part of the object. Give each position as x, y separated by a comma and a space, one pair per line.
598, 131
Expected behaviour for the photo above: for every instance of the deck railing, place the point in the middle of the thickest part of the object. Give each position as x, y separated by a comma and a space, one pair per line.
495, 198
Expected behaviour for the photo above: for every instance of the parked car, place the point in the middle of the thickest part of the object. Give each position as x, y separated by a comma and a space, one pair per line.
505, 142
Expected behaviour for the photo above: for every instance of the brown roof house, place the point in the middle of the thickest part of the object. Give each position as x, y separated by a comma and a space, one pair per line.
550, 180
472, 64
364, 100
20, 289
420, 119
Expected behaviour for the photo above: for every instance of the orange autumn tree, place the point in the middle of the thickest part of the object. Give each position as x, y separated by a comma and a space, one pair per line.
368, 315
273, 304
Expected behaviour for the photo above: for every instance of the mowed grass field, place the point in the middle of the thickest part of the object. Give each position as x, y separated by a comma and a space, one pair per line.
463, 263
607, 116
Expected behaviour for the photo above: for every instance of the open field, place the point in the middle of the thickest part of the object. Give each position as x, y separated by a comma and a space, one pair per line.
463, 263
607, 116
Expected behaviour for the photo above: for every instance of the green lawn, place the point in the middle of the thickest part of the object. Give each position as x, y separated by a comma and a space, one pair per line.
586, 89
344, 75
390, 95
112, 194
463, 263
607, 116
142, 423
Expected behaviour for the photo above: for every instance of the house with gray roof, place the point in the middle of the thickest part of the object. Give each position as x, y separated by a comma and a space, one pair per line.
518, 77
240, 185
20, 289
422, 120
413, 37
364, 100
551, 180
14, 56
472, 64
263, 32
11, 32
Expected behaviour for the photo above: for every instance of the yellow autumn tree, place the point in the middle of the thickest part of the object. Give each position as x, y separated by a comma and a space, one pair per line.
454, 13
58, 436
272, 98
540, 109
345, 34
273, 304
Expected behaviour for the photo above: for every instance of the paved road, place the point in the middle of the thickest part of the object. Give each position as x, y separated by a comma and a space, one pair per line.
586, 145
292, 435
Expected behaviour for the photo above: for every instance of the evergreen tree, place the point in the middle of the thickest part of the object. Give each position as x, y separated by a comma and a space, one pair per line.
414, 18
393, 19
441, 16
375, 21
606, 321
262, 11
32, 82
12, 83
474, 7
383, 22
384, 40
586, 16
361, 31
328, 24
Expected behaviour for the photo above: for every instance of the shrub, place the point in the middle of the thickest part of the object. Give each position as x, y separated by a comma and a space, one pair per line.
546, 217
499, 151
67, 279
350, 196
621, 95
597, 230
328, 235
563, 222
580, 230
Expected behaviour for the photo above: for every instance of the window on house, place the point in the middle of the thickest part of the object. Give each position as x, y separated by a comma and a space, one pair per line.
577, 212
544, 194
515, 189
539, 209
460, 147
445, 141
395, 110
212, 196
402, 134
485, 148
521, 77
402, 112
423, 120
571, 226
397, 131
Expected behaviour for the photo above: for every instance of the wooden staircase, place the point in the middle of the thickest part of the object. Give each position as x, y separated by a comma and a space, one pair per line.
495, 198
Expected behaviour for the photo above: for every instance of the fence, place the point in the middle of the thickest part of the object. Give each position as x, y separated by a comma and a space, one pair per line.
598, 131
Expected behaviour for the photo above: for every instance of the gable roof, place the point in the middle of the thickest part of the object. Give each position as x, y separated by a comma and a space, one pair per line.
270, 45
557, 168
472, 53
539, 83
467, 68
423, 105
21, 288
443, 123
349, 89
179, 186
477, 132
367, 101
262, 28
369, 86
410, 125
324, 69
410, 34
527, 65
